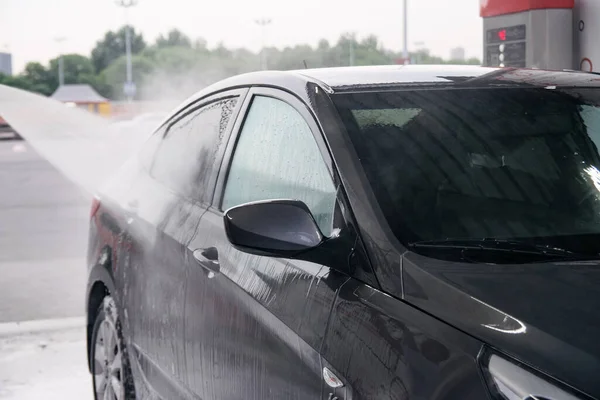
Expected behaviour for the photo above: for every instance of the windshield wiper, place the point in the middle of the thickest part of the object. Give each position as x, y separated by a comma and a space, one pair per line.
501, 245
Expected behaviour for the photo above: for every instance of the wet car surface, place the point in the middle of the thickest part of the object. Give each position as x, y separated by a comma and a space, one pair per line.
356, 233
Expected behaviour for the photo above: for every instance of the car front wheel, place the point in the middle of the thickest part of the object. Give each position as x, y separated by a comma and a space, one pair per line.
111, 373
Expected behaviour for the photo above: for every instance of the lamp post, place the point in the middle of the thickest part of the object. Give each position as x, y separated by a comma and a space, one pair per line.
61, 65
405, 47
129, 87
263, 22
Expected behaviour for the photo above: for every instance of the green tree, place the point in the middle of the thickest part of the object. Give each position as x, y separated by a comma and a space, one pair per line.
176, 66
423, 56
112, 46
18, 81
473, 61
292, 58
201, 44
113, 77
370, 52
97, 82
75, 67
174, 38
36, 72
39, 78
174, 59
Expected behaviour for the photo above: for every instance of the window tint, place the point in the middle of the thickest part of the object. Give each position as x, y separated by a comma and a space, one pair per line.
277, 157
187, 155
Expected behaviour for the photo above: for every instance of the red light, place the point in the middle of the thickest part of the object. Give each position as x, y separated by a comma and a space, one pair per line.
502, 34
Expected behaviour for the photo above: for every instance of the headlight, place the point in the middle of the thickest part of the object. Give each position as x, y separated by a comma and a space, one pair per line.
509, 381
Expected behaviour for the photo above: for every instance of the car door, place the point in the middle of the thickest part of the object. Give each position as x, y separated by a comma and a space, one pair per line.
254, 325
169, 201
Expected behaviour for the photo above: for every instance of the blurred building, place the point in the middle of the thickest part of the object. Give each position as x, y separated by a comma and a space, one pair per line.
82, 96
457, 54
5, 63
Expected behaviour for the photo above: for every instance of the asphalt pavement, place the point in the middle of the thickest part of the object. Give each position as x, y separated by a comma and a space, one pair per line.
43, 242
43, 238
44, 360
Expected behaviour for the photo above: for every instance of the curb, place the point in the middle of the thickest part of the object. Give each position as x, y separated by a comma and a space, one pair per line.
8, 329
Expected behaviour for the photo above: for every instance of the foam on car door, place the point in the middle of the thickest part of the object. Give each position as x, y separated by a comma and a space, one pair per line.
254, 330
177, 189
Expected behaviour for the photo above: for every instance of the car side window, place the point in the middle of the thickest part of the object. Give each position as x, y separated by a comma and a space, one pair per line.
187, 154
277, 157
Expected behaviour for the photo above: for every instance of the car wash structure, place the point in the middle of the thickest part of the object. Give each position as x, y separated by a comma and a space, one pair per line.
548, 34
82, 96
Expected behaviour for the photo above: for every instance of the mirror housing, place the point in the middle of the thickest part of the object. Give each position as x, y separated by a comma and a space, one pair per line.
280, 228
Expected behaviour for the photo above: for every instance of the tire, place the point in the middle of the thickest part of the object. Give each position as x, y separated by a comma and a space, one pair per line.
110, 361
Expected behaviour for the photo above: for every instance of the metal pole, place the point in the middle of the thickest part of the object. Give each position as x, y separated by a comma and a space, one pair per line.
126, 4
61, 64
128, 51
263, 22
405, 48
263, 53
61, 71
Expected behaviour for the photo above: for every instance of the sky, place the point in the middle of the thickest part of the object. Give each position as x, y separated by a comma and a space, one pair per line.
29, 28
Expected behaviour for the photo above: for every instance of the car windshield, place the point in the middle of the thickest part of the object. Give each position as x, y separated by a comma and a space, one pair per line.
458, 169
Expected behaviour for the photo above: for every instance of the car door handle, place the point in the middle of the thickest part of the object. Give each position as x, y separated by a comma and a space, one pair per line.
209, 260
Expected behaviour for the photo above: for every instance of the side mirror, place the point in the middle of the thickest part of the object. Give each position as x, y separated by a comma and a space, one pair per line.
272, 228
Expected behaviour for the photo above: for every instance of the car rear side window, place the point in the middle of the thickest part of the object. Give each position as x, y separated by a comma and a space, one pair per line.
277, 157
187, 154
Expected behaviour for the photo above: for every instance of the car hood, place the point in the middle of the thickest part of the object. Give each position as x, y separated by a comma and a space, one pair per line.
545, 315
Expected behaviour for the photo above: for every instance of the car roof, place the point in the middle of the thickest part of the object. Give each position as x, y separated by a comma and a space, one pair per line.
348, 79
394, 76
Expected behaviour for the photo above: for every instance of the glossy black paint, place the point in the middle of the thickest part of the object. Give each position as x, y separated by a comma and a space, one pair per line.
278, 228
542, 314
259, 334
205, 320
393, 351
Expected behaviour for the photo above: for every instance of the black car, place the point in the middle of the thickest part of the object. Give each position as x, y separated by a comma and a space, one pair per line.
396, 232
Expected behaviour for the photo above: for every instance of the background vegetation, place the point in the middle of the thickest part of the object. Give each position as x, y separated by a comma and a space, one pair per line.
176, 63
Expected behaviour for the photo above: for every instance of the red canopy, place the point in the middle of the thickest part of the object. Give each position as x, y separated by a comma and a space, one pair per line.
492, 8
